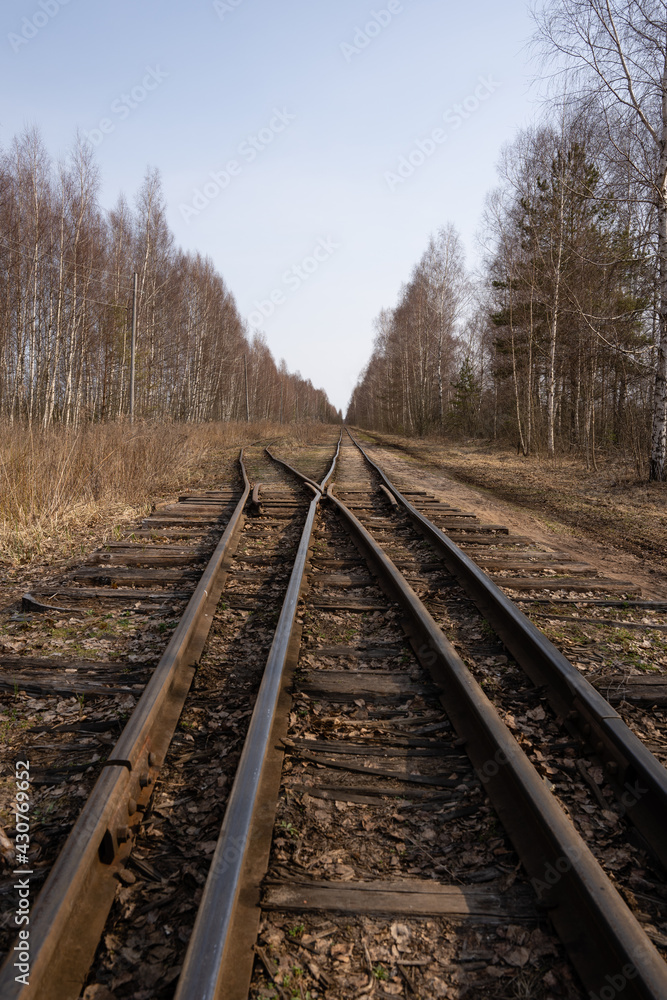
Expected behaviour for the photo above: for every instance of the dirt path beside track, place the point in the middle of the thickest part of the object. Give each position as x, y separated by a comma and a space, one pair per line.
619, 527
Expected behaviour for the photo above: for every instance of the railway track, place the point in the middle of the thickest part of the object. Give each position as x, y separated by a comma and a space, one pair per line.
589, 913
162, 582
153, 574
408, 816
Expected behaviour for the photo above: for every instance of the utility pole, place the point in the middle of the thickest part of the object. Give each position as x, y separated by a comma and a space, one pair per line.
281, 401
247, 399
133, 343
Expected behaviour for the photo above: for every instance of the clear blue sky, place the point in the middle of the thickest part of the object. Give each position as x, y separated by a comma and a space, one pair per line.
315, 117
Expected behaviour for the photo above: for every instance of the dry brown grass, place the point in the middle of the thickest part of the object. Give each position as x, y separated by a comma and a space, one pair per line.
58, 483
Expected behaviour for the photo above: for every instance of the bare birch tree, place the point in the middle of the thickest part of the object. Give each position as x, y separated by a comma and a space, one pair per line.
615, 55
66, 270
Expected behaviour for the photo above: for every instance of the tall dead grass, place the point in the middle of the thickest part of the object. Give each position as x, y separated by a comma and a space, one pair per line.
57, 483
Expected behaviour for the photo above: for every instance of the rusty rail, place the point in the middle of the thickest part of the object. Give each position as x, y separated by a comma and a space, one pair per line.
638, 778
606, 943
70, 912
212, 960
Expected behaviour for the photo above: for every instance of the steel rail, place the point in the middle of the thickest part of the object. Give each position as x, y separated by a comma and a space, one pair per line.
606, 943
637, 777
206, 974
68, 917
307, 479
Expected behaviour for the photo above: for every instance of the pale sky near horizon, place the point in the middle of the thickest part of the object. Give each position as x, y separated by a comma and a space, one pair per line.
315, 106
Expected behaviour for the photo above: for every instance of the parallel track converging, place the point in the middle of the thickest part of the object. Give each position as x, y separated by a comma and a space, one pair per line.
366, 707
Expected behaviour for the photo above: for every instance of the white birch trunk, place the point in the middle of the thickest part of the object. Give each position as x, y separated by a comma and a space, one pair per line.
553, 327
659, 429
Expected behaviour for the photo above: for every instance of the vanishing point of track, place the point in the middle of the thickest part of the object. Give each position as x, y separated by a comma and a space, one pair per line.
469, 749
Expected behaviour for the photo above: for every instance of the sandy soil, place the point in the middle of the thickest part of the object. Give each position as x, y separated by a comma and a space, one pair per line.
618, 527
